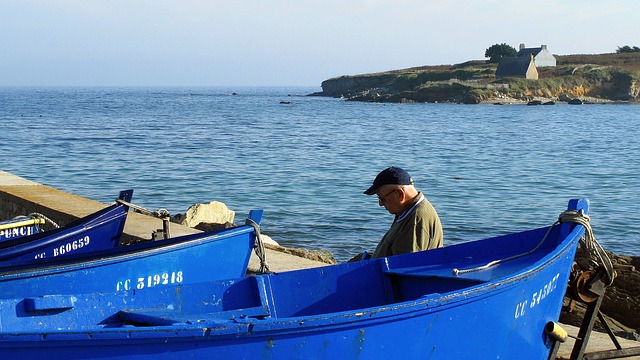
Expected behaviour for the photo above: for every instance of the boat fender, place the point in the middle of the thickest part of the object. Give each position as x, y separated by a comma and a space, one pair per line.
555, 331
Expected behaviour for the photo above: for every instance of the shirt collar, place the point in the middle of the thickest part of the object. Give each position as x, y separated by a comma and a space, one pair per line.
420, 198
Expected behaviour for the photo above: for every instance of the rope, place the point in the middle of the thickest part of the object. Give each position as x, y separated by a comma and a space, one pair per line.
46, 219
258, 247
596, 252
496, 262
160, 213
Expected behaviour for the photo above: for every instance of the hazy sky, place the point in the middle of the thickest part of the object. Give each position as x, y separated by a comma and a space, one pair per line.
284, 42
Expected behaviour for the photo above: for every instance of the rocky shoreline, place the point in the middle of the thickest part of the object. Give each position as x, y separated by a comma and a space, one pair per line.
621, 303
466, 93
539, 100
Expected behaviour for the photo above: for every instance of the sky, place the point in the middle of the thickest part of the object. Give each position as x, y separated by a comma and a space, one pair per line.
284, 42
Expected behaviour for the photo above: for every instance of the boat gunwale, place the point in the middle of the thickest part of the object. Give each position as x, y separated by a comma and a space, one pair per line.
141, 250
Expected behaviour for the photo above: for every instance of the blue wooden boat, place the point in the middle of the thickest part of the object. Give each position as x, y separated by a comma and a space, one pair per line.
95, 232
486, 299
200, 257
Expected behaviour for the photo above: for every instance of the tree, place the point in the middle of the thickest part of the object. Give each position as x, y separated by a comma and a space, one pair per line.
498, 51
627, 49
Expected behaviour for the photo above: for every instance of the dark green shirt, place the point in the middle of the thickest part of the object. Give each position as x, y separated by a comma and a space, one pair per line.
416, 230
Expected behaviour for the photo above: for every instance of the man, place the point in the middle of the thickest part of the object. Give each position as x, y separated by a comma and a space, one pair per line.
416, 226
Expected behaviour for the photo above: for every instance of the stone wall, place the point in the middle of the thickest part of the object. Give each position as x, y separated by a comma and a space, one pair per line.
12, 204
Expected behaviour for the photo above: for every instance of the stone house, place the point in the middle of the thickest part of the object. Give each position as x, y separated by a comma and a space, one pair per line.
541, 55
521, 67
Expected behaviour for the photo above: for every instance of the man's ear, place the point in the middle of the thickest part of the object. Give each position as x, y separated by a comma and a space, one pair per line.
403, 194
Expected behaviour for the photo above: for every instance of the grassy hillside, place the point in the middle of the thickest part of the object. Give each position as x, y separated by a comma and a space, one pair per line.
602, 77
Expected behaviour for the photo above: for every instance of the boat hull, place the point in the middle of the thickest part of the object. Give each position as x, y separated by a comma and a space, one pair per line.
464, 329
95, 232
413, 306
162, 263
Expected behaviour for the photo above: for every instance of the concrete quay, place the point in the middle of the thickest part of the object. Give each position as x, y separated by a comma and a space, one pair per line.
19, 196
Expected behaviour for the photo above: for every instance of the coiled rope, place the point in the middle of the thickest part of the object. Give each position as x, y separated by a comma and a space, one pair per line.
39, 216
258, 247
596, 253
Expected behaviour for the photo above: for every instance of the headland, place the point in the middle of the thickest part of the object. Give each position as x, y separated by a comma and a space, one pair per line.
599, 78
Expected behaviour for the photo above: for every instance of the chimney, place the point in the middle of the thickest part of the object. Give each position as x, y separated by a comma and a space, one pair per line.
521, 46
544, 47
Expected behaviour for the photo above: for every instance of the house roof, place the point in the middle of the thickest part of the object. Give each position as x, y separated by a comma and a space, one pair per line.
527, 51
514, 66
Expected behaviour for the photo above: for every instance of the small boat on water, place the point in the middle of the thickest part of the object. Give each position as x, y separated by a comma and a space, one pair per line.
98, 231
485, 299
201, 257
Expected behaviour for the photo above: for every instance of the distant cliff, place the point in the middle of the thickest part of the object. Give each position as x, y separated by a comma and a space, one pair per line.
598, 78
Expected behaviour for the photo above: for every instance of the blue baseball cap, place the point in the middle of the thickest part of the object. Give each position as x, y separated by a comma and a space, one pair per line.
390, 176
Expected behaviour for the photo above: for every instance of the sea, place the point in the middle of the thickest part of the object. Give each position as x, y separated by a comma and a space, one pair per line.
489, 170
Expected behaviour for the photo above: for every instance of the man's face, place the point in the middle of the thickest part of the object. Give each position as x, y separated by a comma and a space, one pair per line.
389, 197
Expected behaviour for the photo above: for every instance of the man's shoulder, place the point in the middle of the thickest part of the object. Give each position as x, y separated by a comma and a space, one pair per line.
425, 207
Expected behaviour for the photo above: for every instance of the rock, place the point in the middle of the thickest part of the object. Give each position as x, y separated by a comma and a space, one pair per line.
316, 255
575, 315
575, 101
268, 241
621, 303
205, 226
214, 212
564, 97
622, 299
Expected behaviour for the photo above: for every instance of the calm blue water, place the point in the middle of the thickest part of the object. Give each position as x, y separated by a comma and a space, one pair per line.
488, 170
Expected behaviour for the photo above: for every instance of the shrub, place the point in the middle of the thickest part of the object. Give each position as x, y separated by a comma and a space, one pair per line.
498, 51
627, 49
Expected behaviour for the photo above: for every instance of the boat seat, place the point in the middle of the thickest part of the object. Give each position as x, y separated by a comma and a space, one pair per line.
498, 271
164, 317
253, 305
441, 273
